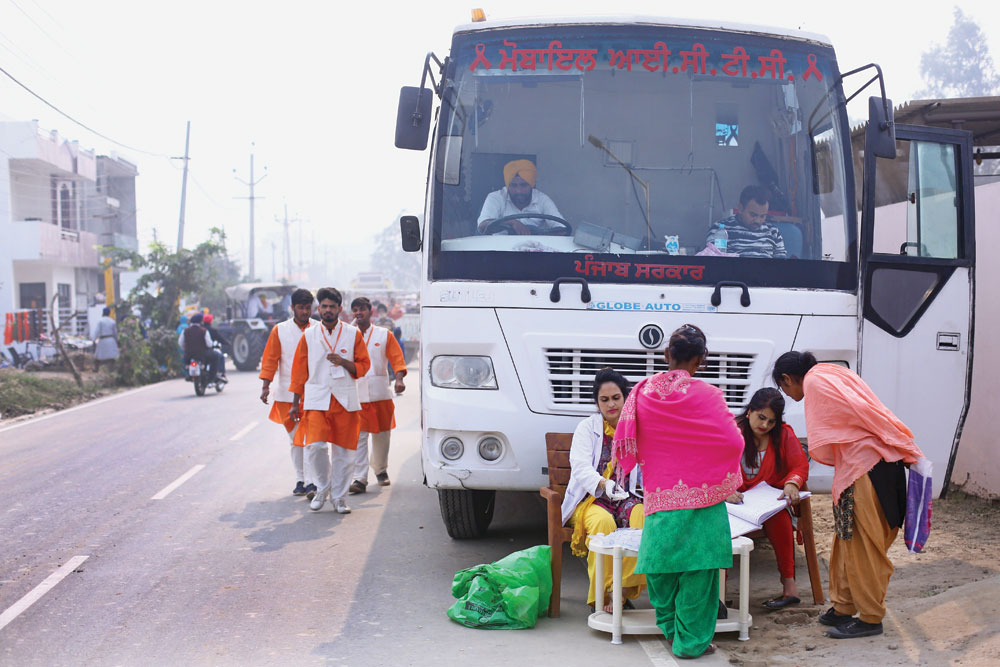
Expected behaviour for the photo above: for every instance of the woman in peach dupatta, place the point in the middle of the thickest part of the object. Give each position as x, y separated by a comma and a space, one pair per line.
849, 428
681, 433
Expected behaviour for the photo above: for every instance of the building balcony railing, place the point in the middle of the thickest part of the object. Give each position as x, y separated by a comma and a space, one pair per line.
37, 240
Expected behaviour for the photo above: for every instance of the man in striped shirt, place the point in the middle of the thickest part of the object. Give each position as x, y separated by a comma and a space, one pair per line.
749, 233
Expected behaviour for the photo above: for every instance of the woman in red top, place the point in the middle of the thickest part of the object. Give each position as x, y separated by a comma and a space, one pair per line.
772, 454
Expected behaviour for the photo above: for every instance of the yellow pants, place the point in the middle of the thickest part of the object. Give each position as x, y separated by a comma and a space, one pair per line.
596, 520
860, 567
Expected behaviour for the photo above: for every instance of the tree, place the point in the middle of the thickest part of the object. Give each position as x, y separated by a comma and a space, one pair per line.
962, 67
166, 276
389, 259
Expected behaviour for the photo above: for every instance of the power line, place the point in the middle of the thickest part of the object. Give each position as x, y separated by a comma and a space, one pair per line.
74, 120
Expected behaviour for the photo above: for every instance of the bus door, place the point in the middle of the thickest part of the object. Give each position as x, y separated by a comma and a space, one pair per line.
917, 290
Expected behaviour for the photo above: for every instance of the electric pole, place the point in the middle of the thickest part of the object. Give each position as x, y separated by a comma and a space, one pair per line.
184, 184
251, 183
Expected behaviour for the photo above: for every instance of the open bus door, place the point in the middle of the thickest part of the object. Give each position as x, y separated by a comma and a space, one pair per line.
917, 283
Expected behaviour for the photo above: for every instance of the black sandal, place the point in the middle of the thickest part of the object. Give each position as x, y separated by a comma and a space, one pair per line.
780, 602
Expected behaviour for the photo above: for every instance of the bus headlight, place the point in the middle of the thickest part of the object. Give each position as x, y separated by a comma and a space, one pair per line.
452, 448
490, 448
463, 372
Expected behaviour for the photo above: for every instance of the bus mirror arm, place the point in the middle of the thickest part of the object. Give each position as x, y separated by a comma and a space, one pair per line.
717, 294
554, 295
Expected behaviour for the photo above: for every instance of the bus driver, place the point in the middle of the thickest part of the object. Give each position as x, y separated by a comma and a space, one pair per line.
519, 196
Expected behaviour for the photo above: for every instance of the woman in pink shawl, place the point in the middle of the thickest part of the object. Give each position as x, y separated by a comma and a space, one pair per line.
679, 430
849, 428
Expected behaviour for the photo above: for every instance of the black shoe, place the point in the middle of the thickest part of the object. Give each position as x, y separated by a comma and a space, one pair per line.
310, 491
831, 617
853, 629
382, 478
300, 489
781, 602
357, 487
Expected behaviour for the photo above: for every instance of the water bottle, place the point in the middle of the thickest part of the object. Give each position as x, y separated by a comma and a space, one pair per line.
719, 238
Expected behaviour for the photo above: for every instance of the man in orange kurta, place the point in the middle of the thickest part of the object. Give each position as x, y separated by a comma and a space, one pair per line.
328, 360
377, 409
277, 360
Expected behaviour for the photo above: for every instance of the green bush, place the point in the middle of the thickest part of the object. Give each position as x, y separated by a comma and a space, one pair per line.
135, 365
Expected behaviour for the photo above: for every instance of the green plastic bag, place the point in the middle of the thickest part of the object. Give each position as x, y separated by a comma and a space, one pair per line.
509, 594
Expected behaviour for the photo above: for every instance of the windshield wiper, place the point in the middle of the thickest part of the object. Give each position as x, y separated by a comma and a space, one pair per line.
635, 179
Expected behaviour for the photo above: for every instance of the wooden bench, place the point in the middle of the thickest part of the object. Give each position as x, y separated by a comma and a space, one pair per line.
557, 454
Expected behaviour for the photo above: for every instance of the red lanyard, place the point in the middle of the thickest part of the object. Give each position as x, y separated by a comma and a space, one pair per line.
371, 328
340, 330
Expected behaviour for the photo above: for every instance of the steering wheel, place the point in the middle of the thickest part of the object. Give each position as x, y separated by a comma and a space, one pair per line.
500, 224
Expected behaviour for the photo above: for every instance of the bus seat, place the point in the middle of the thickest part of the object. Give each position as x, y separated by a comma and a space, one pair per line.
792, 236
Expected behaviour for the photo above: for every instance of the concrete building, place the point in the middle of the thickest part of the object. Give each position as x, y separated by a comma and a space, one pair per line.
58, 203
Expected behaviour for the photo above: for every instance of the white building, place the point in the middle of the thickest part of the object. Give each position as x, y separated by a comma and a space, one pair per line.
58, 202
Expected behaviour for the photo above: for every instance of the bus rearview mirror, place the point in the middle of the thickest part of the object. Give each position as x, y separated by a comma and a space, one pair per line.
880, 135
413, 118
409, 229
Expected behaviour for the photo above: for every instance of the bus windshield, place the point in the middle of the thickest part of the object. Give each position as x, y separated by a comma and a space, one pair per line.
620, 154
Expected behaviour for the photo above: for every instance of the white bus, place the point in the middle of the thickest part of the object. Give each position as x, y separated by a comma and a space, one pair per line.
644, 129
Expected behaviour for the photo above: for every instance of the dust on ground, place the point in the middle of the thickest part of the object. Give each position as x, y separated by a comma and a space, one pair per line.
943, 605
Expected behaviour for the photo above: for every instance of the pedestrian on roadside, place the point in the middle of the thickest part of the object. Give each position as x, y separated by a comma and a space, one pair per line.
849, 428
377, 409
105, 339
327, 362
277, 359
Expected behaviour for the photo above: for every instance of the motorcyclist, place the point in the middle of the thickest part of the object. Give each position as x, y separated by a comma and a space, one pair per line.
198, 345
219, 339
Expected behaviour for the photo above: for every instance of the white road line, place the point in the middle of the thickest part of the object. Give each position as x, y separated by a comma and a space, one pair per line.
658, 653
41, 589
243, 431
114, 397
177, 482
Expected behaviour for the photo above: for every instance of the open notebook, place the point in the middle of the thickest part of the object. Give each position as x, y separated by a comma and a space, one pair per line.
759, 504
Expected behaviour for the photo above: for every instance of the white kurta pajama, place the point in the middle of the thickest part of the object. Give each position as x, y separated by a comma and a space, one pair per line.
375, 393
277, 361
329, 391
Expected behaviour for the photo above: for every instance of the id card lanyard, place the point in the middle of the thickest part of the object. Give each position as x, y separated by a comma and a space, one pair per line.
340, 330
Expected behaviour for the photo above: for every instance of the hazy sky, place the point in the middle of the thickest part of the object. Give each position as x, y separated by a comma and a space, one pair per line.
314, 86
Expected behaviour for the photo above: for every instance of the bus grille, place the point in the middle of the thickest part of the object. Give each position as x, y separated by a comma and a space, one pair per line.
571, 372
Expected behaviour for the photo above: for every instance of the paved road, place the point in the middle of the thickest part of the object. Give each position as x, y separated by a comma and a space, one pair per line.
229, 568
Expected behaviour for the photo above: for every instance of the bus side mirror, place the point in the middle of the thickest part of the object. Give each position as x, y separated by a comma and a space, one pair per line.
413, 118
880, 135
409, 228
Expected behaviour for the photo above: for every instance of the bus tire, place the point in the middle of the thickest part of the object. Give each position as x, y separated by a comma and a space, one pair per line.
466, 513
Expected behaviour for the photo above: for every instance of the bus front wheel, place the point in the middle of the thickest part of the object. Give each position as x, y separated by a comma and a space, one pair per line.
466, 513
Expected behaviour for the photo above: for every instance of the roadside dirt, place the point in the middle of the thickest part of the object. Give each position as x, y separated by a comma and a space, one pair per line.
943, 604
34, 393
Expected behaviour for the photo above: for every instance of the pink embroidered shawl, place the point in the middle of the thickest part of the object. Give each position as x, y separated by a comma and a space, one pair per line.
849, 427
682, 434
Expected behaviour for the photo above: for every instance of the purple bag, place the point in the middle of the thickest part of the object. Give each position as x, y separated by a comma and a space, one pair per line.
919, 492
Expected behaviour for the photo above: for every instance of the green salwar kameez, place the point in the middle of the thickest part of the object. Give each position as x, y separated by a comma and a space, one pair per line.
681, 554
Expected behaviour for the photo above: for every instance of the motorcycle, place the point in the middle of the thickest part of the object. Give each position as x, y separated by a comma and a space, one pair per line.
199, 372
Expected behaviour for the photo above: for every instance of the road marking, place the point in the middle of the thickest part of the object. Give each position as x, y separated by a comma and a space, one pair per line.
657, 652
243, 431
180, 480
77, 407
41, 589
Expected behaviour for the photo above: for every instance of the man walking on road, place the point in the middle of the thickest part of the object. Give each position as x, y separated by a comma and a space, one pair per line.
278, 355
327, 362
377, 409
